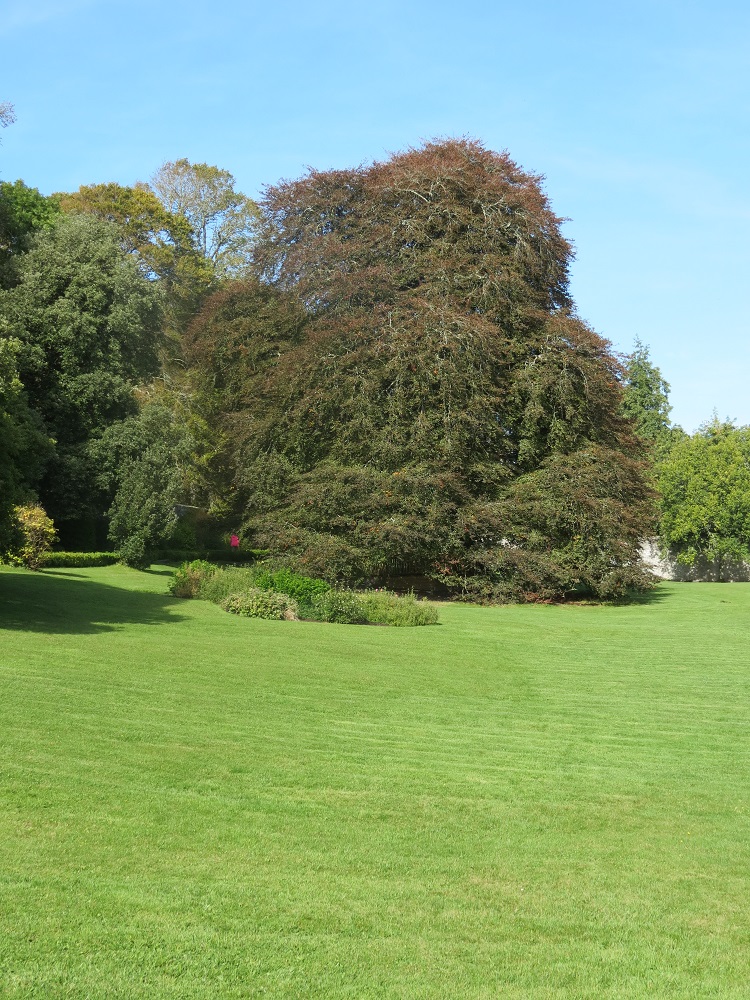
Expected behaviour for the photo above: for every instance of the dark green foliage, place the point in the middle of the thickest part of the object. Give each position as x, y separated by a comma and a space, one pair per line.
23, 211
547, 545
248, 556
24, 444
254, 603
142, 465
163, 242
439, 380
342, 607
78, 560
646, 399
88, 320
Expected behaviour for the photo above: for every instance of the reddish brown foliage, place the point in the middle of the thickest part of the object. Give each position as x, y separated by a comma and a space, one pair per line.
441, 386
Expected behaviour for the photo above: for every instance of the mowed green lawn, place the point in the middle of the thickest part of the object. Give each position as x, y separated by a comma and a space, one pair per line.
522, 802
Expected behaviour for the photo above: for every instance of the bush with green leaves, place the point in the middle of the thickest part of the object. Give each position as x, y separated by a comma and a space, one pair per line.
189, 578
383, 607
343, 607
255, 603
292, 595
304, 588
38, 536
225, 582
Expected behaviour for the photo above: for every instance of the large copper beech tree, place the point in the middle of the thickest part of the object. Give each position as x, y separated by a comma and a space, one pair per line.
438, 408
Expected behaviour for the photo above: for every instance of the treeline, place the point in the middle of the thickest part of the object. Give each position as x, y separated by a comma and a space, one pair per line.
371, 373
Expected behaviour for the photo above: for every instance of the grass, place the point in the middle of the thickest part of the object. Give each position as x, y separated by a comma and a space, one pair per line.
523, 802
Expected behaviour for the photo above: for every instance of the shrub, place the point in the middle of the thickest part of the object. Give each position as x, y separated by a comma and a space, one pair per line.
255, 603
385, 608
226, 582
134, 553
72, 560
285, 581
189, 577
340, 606
37, 536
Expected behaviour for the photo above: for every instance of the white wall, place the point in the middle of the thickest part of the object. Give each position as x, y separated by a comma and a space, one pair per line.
666, 567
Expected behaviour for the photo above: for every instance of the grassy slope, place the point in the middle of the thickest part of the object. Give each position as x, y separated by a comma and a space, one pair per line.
523, 802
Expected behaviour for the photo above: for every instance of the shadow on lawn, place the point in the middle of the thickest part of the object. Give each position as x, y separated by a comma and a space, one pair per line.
643, 597
36, 602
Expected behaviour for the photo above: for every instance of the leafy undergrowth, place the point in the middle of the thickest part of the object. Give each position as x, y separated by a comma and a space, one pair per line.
260, 592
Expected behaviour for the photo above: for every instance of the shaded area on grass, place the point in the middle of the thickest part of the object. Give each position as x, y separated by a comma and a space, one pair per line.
64, 604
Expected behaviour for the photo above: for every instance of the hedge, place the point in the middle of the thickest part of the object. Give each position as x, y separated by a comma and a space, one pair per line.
70, 560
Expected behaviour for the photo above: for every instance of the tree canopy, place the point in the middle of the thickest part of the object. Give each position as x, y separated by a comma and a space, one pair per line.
646, 400
376, 371
24, 445
88, 321
23, 211
438, 384
222, 219
704, 483
163, 241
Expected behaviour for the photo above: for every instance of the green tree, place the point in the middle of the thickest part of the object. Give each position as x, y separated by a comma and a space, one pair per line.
439, 377
89, 322
229, 350
24, 445
143, 466
705, 494
646, 398
163, 241
23, 211
222, 220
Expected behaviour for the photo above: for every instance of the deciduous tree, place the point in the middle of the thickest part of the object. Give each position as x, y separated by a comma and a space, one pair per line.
24, 445
89, 321
704, 483
23, 211
163, 241
222, 219
646, 399
142, 465
442, 384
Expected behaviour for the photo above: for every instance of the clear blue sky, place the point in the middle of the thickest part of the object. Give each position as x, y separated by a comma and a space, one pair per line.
638, 114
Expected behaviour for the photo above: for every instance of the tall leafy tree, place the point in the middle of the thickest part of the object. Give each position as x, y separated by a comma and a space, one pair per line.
704, 483
222, 219
646, 398
229, 350
23, 211
24, 445
89, 320
164, 241
440, 385
143, 465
